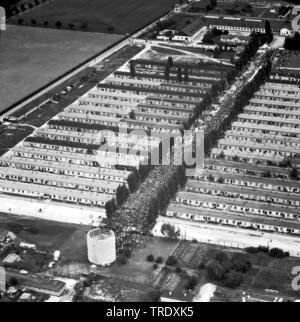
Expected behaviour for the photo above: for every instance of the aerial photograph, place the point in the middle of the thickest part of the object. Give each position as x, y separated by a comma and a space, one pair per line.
149, 153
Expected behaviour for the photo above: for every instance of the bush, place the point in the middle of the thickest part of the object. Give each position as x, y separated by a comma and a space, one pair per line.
252, 250
178, 270
150, 258
233, 280
123, 260
159, 260
171, 261
215, 271
278, 253
192, 282
155, 266
221, 257
202, 265
154, 296
241, 266
127, 252
263, 249
170, 231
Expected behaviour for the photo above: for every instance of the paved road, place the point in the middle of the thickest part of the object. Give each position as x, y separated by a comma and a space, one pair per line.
229, 236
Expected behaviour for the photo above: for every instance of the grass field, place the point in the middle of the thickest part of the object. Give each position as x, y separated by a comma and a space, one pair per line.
32, 57
47, 235
13, 135
113, 16
81, 83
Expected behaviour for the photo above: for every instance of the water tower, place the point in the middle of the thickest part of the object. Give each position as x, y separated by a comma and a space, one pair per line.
101, 245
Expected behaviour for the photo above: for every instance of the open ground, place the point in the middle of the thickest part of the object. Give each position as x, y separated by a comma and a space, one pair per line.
30, 58
117, 16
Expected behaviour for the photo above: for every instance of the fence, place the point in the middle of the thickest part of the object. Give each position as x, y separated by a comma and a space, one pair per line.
238, 245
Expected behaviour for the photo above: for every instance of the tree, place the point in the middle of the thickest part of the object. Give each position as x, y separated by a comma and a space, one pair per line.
159, 260
192, 282
170, 62
170, 231
58, 24
150, 258
266, 174
163, 197
213, 3
221, 180
186, 75
121, 195
153, 210
294, 174
179, 74
132, 69
155, 295
110, 208
167, 72
233, 280
131, 115
293, 43
268, 30
171, 261
13, 282
132, 182
172, 187
215, 271
278, 253
144, 171
181, 175
211, 178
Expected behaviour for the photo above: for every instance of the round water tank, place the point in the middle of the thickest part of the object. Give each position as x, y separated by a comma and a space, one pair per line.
101, 244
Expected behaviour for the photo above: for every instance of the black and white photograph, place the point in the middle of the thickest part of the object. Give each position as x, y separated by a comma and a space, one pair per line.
149, 154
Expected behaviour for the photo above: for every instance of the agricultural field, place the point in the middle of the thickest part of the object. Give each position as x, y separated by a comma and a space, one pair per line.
30, 58
118, 16
80, 84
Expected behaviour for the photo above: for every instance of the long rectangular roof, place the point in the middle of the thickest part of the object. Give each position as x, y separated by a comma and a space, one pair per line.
241, 190
28, 162
255, 219
237, 202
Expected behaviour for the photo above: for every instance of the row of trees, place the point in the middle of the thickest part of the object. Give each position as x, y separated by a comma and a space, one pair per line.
164, 194
122, 193
250, 49
230, 113
12, 7
57, 24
